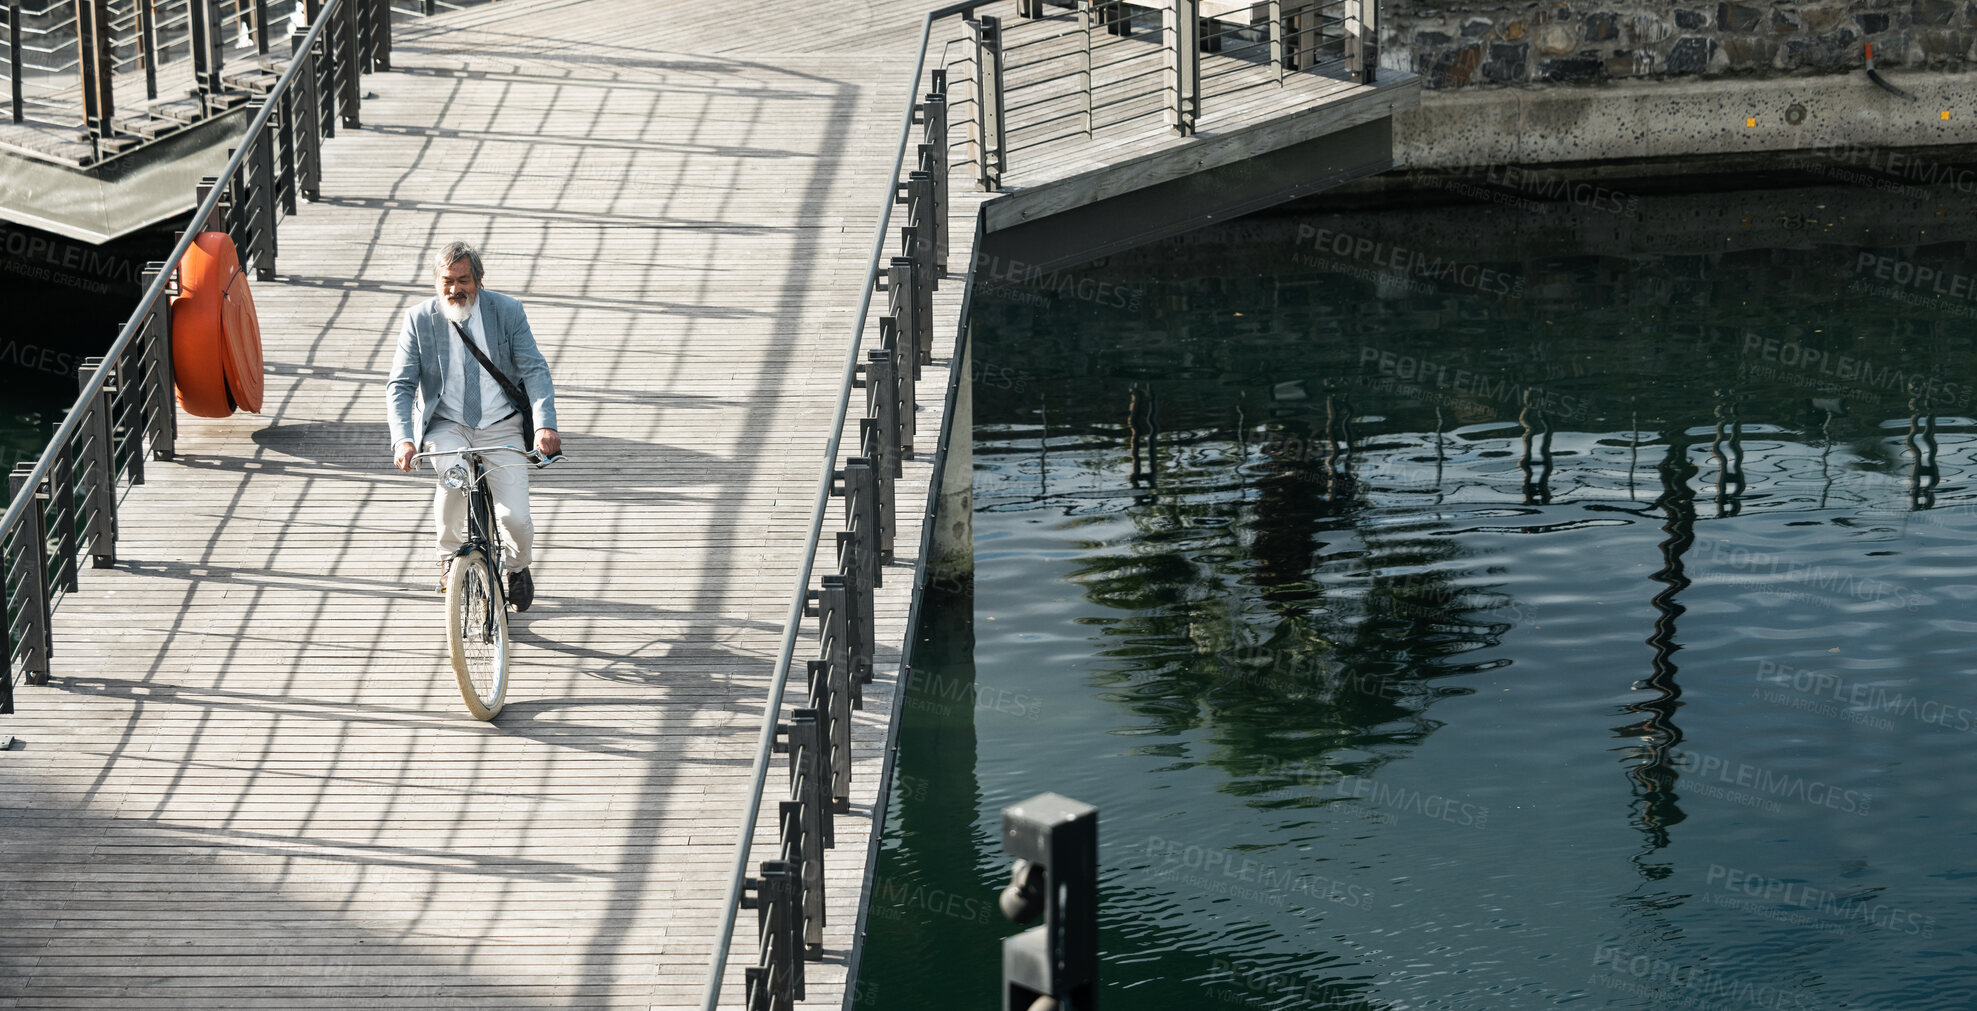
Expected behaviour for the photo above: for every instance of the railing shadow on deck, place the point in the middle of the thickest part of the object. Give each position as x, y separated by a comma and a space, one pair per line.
788, 891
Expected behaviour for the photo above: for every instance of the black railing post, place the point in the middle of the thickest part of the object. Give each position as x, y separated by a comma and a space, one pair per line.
991, 143
260, 171
62, 502
915, 332
203, 18
32, 544
127, 420
99, 465
14, 52
147, 46
778, 983
349, 65
933, 161
808, 778
830, 695
862, 514
306, 112
854, 571
381, 34
94, 37
906, 366
160, 410
260, 26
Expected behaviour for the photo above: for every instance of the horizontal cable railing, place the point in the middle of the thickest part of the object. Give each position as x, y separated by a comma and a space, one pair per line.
69, 57
64, 503
1026, 76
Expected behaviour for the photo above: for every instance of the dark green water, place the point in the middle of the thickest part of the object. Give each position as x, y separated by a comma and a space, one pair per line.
64, 301
1577, 613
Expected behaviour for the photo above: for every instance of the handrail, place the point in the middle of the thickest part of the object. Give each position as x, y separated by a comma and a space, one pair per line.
86, 493
67, 429
793, 618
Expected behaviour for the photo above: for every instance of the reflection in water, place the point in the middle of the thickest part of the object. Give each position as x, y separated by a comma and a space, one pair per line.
1655, 809
1730, 461
1923, 474
1310, 635
1537, 488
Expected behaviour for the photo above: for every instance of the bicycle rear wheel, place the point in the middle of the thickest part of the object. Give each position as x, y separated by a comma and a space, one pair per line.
477, 633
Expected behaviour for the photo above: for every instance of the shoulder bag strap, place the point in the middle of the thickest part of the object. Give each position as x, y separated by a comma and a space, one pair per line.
515, 394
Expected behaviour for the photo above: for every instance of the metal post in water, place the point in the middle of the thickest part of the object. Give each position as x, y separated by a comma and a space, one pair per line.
1055, 842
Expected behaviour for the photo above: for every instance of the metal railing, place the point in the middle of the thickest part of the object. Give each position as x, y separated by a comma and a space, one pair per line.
788, 890
1096, 65
65, 502
63, 58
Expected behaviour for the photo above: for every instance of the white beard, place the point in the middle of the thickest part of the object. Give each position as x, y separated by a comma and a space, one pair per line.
455, 312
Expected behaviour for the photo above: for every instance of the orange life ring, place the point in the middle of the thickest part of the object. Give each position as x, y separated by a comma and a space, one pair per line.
216, 335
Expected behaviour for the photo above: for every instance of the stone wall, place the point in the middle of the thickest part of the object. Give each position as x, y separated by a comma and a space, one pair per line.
1568, 41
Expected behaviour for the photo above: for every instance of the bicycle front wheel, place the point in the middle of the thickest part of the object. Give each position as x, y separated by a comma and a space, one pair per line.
477, 633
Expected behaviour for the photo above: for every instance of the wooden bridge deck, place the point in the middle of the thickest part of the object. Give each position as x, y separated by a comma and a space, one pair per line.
252, 783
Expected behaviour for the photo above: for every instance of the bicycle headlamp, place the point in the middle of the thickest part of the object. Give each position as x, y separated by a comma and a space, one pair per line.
455, 477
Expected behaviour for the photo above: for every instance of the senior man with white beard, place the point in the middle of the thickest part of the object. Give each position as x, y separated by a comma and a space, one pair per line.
440, 396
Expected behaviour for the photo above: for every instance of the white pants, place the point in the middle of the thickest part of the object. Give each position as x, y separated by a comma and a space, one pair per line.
507, 476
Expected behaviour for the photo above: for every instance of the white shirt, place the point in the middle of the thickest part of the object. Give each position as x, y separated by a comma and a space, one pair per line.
495, 404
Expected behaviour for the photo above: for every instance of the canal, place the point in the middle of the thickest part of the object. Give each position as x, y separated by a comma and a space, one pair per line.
1471, 606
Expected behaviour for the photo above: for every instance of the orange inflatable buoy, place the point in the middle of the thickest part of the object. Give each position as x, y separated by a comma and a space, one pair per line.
216, 336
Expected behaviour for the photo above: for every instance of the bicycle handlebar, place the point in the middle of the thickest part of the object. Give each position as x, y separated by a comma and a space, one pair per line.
532, 455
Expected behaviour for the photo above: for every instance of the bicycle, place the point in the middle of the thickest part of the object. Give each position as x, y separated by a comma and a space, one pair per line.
476, 600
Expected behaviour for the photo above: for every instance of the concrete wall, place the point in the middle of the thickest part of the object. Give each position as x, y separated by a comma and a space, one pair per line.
1484, 44
1554, 83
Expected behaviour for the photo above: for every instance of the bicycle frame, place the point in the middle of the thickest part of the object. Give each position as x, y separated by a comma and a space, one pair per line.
482, 532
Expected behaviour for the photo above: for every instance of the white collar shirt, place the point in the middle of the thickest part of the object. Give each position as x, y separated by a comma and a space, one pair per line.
453, 386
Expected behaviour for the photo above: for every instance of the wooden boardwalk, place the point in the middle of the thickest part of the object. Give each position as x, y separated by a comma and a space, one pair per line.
252, 783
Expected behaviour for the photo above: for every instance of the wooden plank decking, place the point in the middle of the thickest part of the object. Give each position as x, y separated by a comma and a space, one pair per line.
252, 782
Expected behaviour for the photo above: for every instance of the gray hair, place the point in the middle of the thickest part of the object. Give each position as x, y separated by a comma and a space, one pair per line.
451, 253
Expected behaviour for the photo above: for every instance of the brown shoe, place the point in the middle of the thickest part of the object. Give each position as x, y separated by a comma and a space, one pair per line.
445, 569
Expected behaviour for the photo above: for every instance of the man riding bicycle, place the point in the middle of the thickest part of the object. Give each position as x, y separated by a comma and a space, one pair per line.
442, 395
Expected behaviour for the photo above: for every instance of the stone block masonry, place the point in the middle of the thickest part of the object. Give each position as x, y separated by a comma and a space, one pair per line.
1550, 42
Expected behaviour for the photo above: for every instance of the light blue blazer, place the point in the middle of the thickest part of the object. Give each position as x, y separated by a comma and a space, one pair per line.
425, 350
